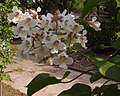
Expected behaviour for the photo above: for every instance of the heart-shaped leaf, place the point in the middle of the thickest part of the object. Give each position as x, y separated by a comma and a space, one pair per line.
77, 90
95, 77
40, 81
105, 89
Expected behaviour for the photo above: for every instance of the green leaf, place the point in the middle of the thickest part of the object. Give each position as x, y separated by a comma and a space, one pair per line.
118, 16
95, 77
111, 92
77, 90
104, 89
116, 60
66, 74
116, 44
108, 69
40, 81
90, 5
118, 3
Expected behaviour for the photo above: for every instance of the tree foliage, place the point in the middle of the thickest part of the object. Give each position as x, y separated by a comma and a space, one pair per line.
6, 36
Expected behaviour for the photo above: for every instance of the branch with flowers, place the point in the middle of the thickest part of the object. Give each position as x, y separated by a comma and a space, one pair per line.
48, 35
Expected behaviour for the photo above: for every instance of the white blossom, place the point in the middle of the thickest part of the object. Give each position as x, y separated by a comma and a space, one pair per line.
82, 39
38, 9
47, 37
63, 60
95, 24
15, 16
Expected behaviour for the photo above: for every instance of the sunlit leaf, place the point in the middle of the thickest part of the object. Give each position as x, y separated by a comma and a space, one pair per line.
108, 69
118, 3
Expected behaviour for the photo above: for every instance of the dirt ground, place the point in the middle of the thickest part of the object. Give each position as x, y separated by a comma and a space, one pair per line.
9, 91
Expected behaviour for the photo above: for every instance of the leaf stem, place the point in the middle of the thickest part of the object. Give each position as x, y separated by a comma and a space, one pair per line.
113, 54
78, 76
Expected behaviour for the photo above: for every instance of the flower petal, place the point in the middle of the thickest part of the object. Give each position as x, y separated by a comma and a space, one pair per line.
69, 61
56, 61
64, 66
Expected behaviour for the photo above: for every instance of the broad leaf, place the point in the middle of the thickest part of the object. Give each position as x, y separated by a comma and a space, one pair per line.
104, 89
40, 81
118, 3
112, 91
77, 90
118, 16
116, 60
95, 77
108, 69
90, 5
116, 44
66, 74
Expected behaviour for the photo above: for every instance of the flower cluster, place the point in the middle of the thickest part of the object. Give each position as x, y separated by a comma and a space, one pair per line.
47, 37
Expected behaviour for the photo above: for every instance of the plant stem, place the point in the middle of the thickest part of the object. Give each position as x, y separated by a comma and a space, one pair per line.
105, 82
113, 54
78, 76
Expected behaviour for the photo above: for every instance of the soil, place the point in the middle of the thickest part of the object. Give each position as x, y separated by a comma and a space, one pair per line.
9, 91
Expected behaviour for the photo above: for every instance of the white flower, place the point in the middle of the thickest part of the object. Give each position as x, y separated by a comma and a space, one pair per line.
38, 9
33, 13
82, 39
25, 15
50, 38
56, 46
40, 53
46, 22
29, 23
63, 60
63, 13
68, 22
49, 61
26, 45
15, 16
95, 24
20, 55
20, 32
78, 28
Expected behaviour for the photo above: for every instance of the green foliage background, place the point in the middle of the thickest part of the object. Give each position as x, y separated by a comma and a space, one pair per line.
53, 5
6, 36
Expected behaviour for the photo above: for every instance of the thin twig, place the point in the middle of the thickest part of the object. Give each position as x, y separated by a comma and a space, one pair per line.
78, 76
113, 54
105, 82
